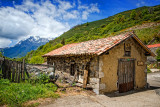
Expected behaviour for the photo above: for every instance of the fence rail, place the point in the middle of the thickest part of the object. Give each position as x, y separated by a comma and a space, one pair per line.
13, 70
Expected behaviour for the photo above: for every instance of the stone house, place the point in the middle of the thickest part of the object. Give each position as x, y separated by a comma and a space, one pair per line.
111, 64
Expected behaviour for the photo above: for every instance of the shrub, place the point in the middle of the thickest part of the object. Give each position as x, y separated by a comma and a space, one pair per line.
36, 60
148, 70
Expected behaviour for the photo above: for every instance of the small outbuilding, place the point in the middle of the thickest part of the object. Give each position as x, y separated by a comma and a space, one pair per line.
116, 63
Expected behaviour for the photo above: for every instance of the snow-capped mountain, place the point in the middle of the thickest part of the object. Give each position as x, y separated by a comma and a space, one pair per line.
24, 46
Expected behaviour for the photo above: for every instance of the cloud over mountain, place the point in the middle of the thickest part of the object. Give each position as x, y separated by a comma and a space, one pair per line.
44, 19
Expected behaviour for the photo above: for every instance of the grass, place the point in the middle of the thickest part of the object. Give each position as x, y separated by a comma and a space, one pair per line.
15, 94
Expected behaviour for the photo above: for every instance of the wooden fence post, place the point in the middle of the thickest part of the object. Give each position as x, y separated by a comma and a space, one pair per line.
23, 69
3, 68
16, 67
9, 69
6, 68
13, 71
18, 72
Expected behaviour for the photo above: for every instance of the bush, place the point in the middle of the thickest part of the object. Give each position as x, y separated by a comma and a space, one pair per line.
51, 86
148, 70
36, 60
43, 78
39, 79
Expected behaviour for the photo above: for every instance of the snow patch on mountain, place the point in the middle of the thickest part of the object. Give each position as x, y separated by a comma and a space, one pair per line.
25, 46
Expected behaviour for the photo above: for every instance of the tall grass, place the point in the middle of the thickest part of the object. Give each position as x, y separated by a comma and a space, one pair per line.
15, 94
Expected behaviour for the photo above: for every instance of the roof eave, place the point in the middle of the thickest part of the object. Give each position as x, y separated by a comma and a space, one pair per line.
143, 45
70, 55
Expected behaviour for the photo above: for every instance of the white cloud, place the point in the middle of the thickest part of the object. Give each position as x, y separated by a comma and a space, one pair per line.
86, 10
4, 42
140, 3
14, 23
44, 19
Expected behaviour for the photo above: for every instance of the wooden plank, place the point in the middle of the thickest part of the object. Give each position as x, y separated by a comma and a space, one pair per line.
13, 72
85, 78
6, 68
9, 69
23, 69
3, 69
16, 67
18, 72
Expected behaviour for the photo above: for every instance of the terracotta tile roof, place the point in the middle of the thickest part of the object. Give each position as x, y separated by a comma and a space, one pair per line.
92, 47
152, 46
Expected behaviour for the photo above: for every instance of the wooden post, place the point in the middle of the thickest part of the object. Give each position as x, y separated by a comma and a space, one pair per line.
13, 71
23, 69
16, 67
9, 69
6, 69
85, 78
18, 71
3, 68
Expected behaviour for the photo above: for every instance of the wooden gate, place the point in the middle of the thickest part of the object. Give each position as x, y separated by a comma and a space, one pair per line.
126, 69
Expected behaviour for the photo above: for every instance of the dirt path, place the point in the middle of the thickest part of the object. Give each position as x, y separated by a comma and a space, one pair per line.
154, 79
149, 98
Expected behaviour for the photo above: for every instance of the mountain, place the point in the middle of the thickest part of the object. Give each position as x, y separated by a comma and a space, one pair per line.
145, 21
24, 46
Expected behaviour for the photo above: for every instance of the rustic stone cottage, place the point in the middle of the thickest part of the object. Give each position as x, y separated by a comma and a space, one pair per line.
110, 64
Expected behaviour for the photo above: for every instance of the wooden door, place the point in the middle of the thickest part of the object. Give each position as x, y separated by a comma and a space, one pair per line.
126, 75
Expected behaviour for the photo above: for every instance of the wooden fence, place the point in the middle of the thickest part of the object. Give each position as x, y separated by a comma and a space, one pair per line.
13, 70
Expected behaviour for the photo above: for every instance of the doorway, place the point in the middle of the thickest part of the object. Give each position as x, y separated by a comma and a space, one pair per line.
126, 69
73, 68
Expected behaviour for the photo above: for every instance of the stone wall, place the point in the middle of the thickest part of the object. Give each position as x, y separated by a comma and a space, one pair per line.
63, 68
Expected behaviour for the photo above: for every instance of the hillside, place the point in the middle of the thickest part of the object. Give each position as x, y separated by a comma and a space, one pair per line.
110, 26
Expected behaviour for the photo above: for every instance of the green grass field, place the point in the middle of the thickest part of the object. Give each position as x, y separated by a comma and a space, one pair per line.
15, 94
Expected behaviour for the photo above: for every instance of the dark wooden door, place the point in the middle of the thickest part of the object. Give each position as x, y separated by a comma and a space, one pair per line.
126, 75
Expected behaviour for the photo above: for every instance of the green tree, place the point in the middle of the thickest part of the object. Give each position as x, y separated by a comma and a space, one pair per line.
36, 60
119, 18
63, 41
133, 15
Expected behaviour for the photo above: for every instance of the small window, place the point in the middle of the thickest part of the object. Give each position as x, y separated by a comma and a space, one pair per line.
127, 53
127, 49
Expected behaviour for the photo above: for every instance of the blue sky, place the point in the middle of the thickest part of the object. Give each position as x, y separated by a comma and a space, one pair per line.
20, 19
